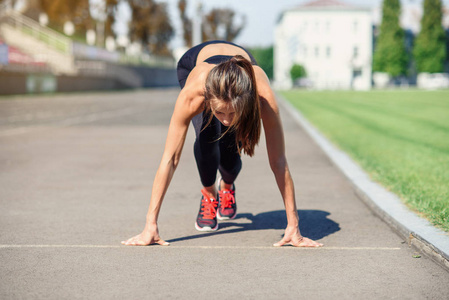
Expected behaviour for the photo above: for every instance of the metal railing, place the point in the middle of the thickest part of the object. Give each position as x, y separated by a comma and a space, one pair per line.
48, 36
65, 45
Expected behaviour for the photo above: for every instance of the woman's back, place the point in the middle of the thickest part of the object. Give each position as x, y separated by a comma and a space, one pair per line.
220, 49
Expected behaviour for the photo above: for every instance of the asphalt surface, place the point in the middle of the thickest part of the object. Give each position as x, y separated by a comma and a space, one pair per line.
75, 180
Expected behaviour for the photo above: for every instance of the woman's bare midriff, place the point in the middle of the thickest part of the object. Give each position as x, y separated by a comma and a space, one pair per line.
220, 49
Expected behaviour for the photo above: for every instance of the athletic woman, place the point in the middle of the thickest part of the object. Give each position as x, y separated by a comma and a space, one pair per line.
227, 97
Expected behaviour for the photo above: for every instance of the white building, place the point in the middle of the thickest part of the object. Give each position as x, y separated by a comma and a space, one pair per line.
331, 39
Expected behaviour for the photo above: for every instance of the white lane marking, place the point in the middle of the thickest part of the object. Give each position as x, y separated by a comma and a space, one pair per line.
198, 247
72, 121
59, 246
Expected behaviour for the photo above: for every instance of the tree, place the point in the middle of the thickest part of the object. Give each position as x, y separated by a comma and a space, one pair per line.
61, 11
186, 23
264, 58
390, 55
12, 3
81, 17
161, 30
33, 9
297, 71
219, 24
111, 7
150, 25
430, 46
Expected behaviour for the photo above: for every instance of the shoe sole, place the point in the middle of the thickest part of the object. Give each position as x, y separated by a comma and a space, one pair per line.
219, 217
205, 229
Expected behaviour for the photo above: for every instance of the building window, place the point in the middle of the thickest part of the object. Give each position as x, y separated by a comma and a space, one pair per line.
328, 26
356, 73
317, 51
328, 51
305, 51
355, 52
355, 26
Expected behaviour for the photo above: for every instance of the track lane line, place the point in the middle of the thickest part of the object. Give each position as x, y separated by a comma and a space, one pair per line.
201, 247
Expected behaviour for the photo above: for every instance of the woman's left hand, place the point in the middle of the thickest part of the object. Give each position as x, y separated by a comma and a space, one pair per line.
293, 237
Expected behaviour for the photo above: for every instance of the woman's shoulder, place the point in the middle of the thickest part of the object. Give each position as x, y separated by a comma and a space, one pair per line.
262, 81
196, 80
259, 73
192, 95
200, 72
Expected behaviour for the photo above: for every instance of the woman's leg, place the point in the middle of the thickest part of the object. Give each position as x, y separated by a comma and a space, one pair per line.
206, 148
230, 166
207, 156
215, 152
230, 160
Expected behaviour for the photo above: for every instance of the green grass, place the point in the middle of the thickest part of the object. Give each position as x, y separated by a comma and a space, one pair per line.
401, 138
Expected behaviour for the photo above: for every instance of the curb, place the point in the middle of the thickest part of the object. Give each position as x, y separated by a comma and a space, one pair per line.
417, 231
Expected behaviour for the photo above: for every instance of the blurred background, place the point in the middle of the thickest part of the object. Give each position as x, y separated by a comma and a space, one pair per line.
60, 45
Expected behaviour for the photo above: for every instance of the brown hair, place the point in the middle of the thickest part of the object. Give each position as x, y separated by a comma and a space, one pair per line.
234, 82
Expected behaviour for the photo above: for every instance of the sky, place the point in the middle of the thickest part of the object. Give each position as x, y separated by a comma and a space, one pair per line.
261, 16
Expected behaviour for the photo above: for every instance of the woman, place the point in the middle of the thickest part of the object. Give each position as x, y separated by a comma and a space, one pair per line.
225, 95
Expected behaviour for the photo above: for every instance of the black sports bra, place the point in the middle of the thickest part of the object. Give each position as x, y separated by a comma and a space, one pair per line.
217, 59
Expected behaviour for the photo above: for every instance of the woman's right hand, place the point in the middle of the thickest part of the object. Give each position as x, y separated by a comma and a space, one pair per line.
147, 237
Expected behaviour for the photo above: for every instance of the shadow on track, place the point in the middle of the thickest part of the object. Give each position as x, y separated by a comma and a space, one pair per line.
314, 224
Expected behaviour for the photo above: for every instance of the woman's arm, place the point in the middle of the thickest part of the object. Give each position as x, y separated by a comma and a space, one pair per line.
276, 155
188, 104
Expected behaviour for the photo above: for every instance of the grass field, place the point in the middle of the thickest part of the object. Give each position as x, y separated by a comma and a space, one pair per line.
401, 138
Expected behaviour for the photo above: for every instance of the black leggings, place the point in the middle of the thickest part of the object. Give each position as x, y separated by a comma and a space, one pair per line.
212, 153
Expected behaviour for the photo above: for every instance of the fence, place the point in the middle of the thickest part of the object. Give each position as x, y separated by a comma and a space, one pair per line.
30, 27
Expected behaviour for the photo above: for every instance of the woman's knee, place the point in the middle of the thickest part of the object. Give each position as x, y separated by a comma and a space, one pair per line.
232, 167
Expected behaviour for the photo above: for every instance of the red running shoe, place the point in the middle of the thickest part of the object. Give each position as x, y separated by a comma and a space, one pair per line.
227, 208
207, 216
